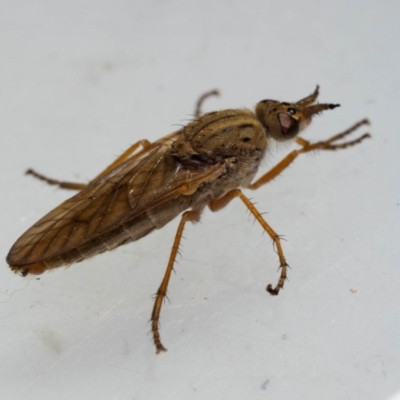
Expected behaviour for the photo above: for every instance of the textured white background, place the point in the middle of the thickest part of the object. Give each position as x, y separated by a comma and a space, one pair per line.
82, 80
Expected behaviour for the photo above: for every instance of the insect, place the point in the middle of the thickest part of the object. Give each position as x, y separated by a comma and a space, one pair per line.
205, 163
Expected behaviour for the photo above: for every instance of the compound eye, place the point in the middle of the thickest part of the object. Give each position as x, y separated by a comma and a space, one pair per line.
289, 126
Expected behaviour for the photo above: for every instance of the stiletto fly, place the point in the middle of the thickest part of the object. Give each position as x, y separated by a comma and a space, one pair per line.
205, 163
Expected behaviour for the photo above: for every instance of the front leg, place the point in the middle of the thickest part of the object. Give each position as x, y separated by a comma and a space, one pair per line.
307, 147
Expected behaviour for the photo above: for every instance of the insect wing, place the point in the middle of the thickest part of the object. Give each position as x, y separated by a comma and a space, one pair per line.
138, 185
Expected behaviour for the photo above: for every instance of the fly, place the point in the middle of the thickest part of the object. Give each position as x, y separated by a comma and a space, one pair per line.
205, 163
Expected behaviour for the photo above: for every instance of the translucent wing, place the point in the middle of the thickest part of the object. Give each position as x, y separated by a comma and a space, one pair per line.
142, 194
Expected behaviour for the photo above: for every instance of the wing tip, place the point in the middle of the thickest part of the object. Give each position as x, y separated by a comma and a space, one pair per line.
36, 268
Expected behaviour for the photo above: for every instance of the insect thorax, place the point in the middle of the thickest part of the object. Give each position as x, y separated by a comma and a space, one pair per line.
233, 137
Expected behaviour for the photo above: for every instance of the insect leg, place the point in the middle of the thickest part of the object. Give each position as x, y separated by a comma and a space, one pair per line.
50, 181
80, 186
307, 147
201, 100
217, 204
162, 290
328, 143
125, 155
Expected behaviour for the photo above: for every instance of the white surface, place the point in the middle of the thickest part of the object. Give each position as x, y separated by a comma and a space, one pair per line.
82, 80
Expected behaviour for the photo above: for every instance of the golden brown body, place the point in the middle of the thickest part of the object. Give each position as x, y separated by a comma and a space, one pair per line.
204, 163
129, 202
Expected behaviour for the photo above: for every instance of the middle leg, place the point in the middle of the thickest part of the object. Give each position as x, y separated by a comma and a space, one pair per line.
217, 204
